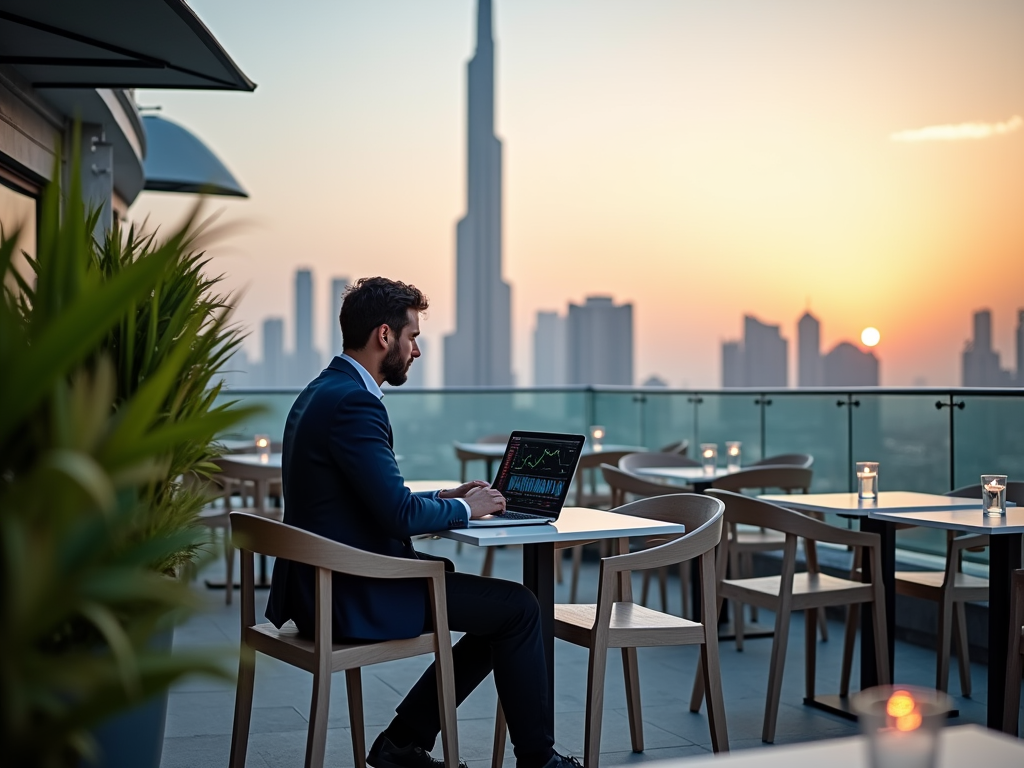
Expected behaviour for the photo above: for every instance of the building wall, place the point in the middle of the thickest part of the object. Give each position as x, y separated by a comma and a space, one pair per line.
600, 341
550, 366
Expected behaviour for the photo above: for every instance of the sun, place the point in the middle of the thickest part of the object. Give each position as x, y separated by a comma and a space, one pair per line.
870, 337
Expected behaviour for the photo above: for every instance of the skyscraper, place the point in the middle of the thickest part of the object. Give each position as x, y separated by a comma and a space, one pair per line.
338, 288
479, 352
732, 365
764, 354
306, 364
980, 361
549, 351
600, 342
273, 353
808, 334
847, 366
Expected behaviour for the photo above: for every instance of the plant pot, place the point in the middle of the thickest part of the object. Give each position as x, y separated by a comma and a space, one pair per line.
135, 737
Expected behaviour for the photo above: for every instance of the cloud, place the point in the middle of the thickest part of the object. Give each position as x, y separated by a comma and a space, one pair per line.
960, 132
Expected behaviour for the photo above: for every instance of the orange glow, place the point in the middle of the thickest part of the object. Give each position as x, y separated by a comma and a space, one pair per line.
909, 722
904, 711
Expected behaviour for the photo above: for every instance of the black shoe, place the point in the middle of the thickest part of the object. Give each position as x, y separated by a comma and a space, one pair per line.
562, 761
384, 754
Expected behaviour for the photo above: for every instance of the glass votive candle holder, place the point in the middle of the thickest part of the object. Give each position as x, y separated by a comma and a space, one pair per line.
263, 447
902, 724
733, 451
597, 433
709, 457
993, 495
867, 480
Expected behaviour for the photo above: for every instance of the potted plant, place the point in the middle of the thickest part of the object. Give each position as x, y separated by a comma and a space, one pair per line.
109, 353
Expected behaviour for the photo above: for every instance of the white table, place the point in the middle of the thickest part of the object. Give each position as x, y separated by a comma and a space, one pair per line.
700, 478
1004, 557
573, 524
961, 746
850, 505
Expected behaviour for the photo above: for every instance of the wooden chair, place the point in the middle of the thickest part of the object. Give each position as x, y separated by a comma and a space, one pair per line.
320, 655
236, 474
635, 461
465, 456
804, 460
747, 541
950, 589
1014, 657
792, 591
680, 447
591, 463
615, 621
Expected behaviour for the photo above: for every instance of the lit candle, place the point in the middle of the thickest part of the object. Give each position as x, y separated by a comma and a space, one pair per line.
902, 724
709, 457
867, 479
993, 495
596, 437
732, 452
263, 447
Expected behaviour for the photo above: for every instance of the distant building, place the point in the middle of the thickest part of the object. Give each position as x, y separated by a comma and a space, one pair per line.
654, 380
338, 287
732, 364
808, 334
273, 368
600, 342
980, 362
550, 366
306, 362
1020, 348
764, 354
417, 371
848, 366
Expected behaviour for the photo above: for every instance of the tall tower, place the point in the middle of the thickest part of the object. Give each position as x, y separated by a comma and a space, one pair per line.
306, 362
809, 362
338, 287
479, 352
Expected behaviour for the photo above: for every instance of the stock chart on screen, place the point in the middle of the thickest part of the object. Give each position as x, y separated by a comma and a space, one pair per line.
537, 470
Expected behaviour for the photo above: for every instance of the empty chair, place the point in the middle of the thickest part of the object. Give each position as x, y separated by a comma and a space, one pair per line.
747, 541
466, 455
1014, 657
635, 461
320, 655
792, 591
680, 447
804, 460
615, 621
589, 464
950, 589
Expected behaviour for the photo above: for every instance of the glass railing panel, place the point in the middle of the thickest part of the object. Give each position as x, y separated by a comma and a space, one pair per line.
275, 404
812, 423
727, 416
621, 414
909, 437
989, 438
668, 418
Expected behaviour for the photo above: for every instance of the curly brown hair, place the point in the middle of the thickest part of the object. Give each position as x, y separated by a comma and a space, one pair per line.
375, 301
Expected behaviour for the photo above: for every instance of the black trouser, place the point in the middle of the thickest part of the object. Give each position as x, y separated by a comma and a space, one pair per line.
501, 620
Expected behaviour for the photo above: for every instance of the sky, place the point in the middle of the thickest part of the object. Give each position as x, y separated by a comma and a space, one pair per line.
702, 160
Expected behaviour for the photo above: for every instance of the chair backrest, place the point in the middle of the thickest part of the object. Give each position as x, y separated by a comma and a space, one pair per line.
785, 460
634, 461
623, 482
597, 458
243, 470
255, 534
680, 447
1014, 492
788, 479
701, 515
745, 510
497, 437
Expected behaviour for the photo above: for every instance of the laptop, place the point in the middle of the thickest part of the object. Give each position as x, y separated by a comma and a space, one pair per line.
534, 477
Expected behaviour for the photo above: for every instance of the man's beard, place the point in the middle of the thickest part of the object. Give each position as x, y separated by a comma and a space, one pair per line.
394, 367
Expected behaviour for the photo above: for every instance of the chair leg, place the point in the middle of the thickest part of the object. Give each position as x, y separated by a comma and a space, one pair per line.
243, 706
595, 706
963, 653
711, 674
738, 625
775, 670
810, 650
942, 642
354, 689
500, 730
849, 639
881, 630
229, 568
663, 584
811, 553
316, 740
488, 568
631, 674
577, 561
747, 568
445, 671
684, 586
645, 587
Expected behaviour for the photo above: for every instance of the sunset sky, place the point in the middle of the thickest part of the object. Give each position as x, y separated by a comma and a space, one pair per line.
699, 159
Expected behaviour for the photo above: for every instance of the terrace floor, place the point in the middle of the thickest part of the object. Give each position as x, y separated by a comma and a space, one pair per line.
200, 711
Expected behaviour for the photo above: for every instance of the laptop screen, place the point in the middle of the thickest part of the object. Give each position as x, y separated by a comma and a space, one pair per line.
537, 469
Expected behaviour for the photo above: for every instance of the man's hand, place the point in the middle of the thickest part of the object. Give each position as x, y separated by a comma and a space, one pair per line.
462, 490
484, 500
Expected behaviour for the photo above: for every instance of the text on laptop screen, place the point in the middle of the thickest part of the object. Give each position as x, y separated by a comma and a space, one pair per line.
535, 473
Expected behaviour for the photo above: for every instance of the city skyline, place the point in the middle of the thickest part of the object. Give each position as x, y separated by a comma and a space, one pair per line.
698, 161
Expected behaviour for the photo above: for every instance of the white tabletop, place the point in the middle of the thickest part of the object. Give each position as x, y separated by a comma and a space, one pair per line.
272, 460
497, 450
573, 524
961, 746
887, 501
971, 520
687, 474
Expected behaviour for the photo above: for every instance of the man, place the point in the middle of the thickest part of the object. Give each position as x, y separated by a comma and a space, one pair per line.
341, 481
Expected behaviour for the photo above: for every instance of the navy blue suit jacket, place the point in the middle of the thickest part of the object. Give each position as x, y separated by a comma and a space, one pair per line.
341, 481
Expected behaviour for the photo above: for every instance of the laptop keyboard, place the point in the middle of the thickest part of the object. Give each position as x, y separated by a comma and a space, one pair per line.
518, 516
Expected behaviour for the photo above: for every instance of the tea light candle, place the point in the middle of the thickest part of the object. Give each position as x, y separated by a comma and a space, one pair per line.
596, 437
263, 447
993, 495
867, 479
902, 724
709, 457
732, 455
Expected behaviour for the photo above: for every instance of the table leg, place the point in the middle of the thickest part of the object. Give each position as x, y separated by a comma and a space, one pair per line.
868, 667
1003, 559
539, 578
